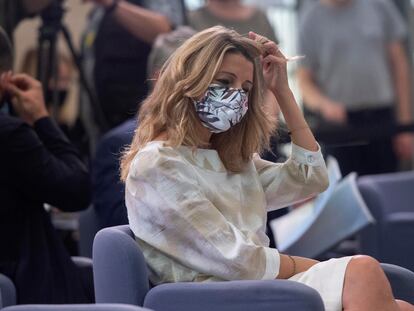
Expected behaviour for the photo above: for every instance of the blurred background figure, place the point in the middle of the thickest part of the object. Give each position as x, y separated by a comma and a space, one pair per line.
66, 112
13, 11
65, 78
6, 62
356, 73
233, 14
108, 190
39, 166
116, 45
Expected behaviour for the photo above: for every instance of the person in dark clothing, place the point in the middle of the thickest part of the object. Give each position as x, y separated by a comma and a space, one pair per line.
119, 74
13, 11
38, 165
108, 191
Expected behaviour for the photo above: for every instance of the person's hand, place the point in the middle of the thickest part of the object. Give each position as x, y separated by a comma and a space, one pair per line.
274, 65
403, 146
104, 3
334, 112
27, 96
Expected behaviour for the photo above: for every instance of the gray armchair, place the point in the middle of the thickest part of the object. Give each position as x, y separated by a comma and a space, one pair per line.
78, 307
390, 198
120, 275
7, 292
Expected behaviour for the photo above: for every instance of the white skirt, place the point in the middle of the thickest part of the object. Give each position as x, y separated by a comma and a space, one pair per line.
327, 278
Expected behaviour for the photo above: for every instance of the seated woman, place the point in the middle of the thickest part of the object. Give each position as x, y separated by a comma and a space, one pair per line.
197, 192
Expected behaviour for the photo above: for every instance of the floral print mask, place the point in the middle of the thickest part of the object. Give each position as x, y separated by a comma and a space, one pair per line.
221, 107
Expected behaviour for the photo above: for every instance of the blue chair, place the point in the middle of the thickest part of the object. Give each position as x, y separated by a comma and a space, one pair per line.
8, 295
401, 280
88, 227
7, 292
121, 276
390, 198
78, 307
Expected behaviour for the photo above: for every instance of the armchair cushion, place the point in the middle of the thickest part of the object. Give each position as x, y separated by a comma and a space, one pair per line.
121, 276
77, 307
268, 295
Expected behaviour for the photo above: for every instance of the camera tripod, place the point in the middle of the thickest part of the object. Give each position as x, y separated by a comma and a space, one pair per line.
47, 69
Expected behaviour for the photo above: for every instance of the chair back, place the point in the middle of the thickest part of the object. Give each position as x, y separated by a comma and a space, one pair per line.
390, 199
120, 271
388, 193
7, 292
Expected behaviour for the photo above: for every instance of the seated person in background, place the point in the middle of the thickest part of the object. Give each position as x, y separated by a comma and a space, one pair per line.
108, 191
65, 110
38, 165
197, 192
65, 77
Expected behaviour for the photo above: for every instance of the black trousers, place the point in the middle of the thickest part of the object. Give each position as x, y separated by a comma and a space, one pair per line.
373, 156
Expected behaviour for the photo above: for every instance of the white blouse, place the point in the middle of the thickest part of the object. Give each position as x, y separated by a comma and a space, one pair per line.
195, 221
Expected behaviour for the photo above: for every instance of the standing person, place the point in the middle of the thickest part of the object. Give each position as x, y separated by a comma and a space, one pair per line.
197, 192
356, 73
233, 14
38, 165
120, 35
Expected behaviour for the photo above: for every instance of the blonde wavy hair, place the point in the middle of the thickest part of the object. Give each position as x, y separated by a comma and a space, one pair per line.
186, 75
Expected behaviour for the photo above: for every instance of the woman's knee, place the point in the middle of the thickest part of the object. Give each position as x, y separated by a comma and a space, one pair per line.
366, 268
365, 282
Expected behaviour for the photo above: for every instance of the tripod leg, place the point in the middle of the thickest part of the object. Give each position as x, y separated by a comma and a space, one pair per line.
47, 64
100, 118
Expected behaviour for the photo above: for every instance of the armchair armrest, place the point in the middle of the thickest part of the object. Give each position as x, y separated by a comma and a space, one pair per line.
401, 217
82, 262
234, 296
7, 292
402, 281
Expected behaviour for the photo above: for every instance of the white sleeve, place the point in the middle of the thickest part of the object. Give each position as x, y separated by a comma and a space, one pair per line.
302, 176
168, 210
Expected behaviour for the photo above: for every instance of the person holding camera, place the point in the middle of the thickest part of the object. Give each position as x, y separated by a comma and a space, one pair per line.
38, 166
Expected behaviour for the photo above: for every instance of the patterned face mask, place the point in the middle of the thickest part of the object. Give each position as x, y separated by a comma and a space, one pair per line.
221, 107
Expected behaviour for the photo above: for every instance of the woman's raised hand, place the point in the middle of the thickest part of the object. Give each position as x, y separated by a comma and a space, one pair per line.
274, 65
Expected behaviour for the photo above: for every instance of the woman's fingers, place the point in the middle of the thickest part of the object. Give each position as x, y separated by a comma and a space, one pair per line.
272, 59
272, 48
269, 47
258, 38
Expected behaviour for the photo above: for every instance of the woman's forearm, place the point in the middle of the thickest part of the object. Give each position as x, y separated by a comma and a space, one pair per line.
299, 130
291, 265
141, 22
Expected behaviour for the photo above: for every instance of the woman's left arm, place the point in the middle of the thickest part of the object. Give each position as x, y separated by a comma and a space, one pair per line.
275, 75
301, 177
